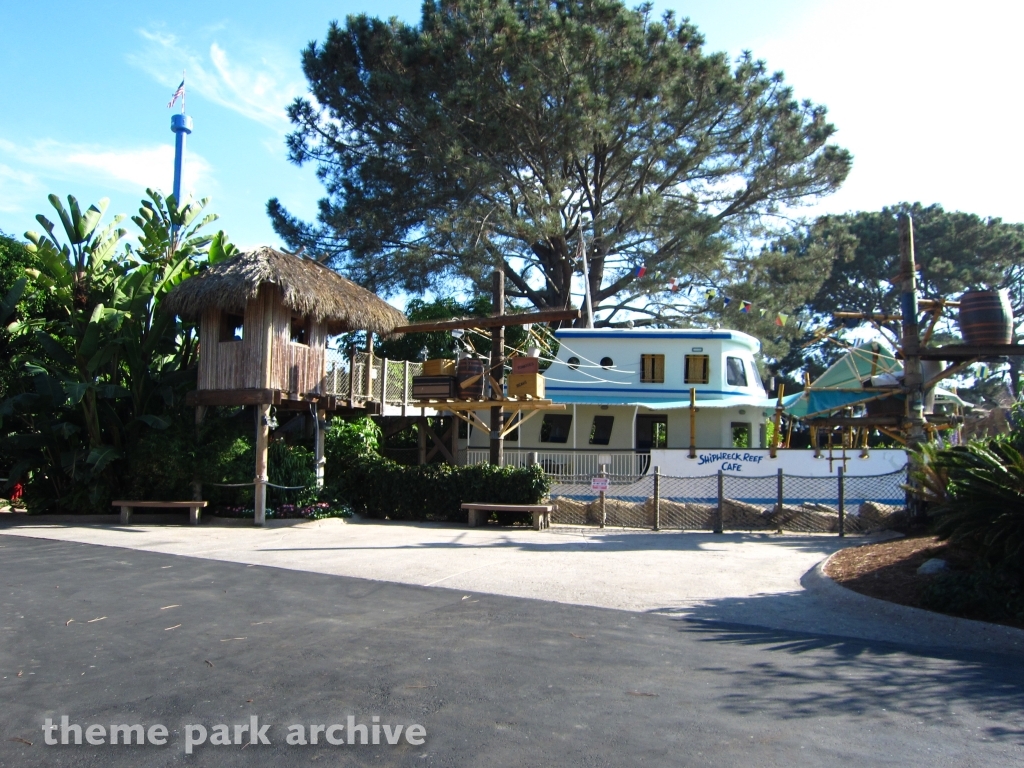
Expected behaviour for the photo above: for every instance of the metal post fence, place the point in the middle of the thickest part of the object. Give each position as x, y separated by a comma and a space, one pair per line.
719, 512
842, 502
657, 498
779, 495
836, 503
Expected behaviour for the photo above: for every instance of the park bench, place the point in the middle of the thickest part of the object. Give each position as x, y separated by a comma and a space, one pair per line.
193, 508
478, 513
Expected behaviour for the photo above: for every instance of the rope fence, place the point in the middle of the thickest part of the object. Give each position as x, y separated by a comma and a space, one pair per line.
837, 503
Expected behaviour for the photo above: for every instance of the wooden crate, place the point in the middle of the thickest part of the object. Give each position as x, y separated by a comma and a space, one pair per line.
525, 365
439, 367
520, 384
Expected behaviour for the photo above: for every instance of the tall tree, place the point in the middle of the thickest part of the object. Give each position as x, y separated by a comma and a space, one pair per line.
955, 251
506, 132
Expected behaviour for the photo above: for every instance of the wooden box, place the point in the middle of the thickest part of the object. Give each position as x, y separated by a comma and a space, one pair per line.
440, 367
525, 365
427, 387
521, 384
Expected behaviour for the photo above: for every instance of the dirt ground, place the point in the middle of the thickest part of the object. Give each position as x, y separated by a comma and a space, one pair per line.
887, 570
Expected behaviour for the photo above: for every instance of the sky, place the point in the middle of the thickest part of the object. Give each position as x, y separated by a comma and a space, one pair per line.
926, 95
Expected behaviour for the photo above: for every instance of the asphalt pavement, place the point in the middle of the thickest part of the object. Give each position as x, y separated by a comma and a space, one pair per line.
107, 635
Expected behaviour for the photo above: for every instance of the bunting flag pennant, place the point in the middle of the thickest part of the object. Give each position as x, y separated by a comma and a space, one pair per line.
745, 308
709, 294
726, 300
763, 311
781, 318
640, 272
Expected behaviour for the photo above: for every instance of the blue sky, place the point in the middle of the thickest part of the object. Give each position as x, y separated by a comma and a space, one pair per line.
925, 94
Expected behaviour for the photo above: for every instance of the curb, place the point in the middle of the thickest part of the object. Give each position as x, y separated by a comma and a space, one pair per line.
914, 625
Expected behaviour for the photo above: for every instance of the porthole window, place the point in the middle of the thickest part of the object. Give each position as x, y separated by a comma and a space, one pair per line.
573, 362
607, 362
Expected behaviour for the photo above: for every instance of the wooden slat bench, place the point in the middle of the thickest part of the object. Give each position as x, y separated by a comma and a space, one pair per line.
478, 513
193, 508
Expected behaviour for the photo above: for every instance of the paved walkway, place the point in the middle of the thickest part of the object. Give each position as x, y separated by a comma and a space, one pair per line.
764, 580
106, 636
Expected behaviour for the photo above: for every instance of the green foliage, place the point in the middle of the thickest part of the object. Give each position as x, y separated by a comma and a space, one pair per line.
983, 505
377, 487
982, 593
955, 251
292, 466
98, 366
497, 133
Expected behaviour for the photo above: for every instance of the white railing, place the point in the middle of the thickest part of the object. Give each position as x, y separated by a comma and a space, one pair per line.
393, 376
568, 463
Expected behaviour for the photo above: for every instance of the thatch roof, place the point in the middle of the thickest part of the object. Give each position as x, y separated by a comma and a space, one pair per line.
308, 288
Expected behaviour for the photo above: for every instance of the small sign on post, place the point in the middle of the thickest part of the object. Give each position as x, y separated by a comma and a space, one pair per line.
599, 484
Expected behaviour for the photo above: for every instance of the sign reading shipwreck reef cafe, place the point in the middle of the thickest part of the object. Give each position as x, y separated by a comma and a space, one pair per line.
759, 463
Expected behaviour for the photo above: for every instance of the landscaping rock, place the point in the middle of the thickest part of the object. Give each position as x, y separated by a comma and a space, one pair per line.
933, 566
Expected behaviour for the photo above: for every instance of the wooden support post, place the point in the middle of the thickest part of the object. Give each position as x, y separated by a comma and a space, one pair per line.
693, 422
719, 511
321, 462
352, 377
497, 368
842, 501
262, 446
369, 365
421, 440
453, 439
789, 430
405, 387
911, 348
197, 482
780, 497
657, 498
604, 510
777, 432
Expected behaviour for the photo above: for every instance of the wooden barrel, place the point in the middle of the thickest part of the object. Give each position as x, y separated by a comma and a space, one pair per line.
470, 374
986, 317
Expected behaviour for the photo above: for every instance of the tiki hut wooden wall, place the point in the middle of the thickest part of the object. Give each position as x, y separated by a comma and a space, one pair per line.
297, 348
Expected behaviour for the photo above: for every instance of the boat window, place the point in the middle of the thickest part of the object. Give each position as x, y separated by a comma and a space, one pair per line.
573, 362
555, 428
652, 369
736, 374
299, 330
601, 430
757, 375
697, 369
607, 362
740, 434
230, 327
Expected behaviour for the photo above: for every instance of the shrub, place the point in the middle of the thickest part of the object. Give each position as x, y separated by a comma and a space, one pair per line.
378, 487
983, 508
983, 593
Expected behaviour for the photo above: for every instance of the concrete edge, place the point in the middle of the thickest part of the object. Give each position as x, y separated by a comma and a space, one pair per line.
936, 630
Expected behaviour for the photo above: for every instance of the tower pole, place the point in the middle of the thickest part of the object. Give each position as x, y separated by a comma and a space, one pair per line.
911, 347
181, 125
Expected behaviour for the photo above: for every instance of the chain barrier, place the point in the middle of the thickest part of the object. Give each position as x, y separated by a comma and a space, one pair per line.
734, 502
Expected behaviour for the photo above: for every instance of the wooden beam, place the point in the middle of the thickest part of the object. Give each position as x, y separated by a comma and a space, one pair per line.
438, 445
544, 316
958, 352
233, 397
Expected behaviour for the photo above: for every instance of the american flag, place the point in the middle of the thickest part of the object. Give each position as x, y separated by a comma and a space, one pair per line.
177, 93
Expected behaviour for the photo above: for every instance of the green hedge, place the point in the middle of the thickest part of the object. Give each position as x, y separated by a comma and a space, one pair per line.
377, 487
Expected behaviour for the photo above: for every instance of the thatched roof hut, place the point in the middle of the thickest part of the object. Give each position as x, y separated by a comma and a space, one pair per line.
307, 288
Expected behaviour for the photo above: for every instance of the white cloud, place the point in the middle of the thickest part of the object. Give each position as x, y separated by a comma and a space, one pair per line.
923, 94
252, 82
130, 168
